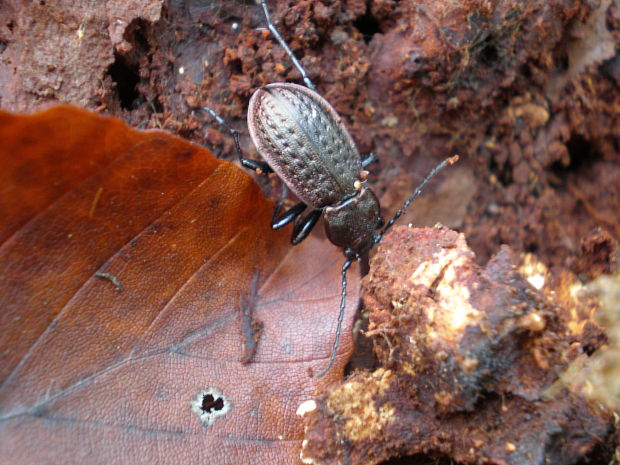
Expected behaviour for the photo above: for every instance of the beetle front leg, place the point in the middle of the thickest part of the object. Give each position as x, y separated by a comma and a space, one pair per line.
303, 227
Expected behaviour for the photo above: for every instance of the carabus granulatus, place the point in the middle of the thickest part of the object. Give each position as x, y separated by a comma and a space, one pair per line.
303, 140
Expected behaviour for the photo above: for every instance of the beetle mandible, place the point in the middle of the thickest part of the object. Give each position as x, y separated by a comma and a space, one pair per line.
304, 141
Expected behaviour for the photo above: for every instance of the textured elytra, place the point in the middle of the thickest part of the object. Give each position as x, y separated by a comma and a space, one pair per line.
304, 141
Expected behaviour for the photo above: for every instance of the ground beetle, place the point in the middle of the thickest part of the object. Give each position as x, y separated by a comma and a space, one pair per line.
303, 140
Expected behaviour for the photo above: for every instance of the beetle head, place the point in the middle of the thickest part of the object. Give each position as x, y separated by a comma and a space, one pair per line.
351, 225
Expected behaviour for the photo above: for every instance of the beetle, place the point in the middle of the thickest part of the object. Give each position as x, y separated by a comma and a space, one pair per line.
304, 141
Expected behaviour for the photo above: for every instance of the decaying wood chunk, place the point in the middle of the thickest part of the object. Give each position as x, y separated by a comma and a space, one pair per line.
470, 361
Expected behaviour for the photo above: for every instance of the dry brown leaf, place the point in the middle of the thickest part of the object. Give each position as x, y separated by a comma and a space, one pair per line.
124, 260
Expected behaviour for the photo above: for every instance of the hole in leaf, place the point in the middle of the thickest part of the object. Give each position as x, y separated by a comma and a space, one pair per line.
210, 404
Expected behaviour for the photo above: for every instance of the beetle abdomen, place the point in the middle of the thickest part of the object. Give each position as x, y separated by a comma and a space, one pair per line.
304, 141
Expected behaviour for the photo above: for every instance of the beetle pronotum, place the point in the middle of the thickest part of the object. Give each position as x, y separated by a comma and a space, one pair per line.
303, 140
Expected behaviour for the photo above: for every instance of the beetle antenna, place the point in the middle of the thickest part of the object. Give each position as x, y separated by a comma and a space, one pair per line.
448, 161
343, 300
284, 45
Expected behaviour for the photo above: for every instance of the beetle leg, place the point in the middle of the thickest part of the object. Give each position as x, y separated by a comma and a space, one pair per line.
279, 221
369, 160
284, 45
303, 227
260, 167
288, 216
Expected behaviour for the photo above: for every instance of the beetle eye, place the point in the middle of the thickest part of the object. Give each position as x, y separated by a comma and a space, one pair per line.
380, 222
